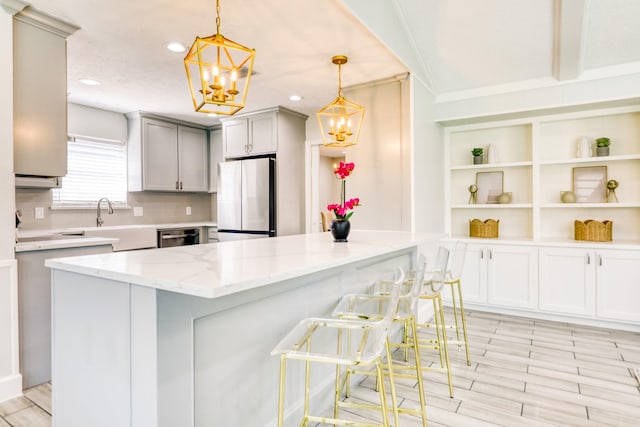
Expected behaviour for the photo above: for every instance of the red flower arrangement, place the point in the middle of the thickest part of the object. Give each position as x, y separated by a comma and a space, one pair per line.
341, 210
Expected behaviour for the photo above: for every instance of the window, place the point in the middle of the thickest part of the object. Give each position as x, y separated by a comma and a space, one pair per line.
95, 168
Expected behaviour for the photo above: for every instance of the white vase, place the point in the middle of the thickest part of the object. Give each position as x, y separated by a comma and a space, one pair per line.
584, 148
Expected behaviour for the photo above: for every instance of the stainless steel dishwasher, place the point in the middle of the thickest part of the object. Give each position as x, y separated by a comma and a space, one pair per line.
178, 237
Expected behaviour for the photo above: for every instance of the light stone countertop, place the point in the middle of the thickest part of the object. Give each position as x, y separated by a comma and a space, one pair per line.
69, 240
215, 270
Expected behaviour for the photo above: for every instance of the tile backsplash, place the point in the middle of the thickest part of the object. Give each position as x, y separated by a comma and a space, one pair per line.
158, 208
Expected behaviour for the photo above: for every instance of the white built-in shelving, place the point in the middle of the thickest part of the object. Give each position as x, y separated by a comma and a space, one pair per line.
536, 156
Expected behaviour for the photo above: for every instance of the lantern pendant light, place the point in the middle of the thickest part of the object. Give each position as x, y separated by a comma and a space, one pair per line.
215, 69
341, 120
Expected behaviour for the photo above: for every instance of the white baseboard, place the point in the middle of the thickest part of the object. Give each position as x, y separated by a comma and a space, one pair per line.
10, 387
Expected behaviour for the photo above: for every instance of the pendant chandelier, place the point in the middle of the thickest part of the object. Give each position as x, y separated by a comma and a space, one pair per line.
340, 121
215, 69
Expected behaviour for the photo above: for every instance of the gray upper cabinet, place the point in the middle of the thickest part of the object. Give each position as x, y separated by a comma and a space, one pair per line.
250, 136
40, 94
165, 156
192, 159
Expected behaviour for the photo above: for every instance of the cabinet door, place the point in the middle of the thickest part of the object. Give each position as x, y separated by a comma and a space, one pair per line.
618, 288
159, 155
192, 159
263, 134
512, 276
473, 279
39, 102
567, 280
215, 156
235, 137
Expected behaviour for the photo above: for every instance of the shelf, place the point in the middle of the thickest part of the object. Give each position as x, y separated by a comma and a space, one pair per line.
589, 205
494, 206
493, 165
536, 155
594, 160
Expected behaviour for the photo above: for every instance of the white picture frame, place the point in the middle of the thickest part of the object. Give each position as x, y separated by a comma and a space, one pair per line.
590, 184
490, 186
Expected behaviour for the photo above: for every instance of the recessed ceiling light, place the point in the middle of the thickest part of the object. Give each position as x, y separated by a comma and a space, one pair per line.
90, 82
295, 98
176, 47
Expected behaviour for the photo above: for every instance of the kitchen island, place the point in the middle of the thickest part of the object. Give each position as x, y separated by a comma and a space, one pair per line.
182, 336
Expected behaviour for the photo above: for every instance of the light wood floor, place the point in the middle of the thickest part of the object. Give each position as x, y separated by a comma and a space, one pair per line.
525, 372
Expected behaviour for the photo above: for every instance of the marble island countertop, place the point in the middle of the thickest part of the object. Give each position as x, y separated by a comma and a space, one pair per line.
215, 270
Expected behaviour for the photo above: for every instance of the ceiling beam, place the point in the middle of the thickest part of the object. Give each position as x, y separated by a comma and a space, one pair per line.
569, 35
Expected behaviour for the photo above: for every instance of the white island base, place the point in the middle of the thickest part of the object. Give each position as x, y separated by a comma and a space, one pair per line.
182, 336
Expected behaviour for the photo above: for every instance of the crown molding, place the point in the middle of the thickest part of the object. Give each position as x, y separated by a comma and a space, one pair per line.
32, 16
13, 6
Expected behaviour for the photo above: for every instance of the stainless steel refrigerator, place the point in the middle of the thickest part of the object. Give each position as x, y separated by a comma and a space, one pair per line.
246, 199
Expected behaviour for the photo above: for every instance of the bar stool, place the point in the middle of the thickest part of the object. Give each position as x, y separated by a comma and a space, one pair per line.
431, 290
368, 306
453, 280
369, 337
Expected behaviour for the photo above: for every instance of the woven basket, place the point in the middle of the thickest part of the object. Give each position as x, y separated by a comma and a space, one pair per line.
593, 231
486, 228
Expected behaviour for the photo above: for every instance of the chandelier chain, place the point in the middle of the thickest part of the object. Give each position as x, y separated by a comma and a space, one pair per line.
217, 16
340, 80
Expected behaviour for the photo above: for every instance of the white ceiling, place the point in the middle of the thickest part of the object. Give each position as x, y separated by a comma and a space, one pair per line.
462, 46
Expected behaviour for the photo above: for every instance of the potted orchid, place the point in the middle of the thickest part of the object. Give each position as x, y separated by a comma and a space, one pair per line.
340, 226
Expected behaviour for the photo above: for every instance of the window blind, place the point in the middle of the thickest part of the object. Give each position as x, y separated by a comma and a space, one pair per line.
95, 169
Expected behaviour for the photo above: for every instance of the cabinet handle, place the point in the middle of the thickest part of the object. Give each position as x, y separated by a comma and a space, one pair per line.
490, 254
481, 253
588, 259
181, 185
177, 186
600, 260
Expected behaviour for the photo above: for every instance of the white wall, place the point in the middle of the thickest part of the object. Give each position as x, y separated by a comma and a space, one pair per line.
379, 177
427, 162
10, 379
329, 186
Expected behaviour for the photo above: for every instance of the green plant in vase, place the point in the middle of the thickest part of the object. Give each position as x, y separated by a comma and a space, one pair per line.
602, 146
477, 154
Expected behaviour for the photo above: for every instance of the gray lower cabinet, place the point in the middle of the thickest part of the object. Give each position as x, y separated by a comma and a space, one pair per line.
34, 310
165, 156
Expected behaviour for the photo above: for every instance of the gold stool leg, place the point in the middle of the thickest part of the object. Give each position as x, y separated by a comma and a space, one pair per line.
423, 404
392, 385
383, 397
445, 344
464, 325
436, 318
455, 307
283, 367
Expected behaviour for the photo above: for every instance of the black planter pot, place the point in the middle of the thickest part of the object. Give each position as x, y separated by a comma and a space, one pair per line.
340, 230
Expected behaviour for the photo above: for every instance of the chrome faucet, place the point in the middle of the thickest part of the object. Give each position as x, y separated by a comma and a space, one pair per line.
99, 220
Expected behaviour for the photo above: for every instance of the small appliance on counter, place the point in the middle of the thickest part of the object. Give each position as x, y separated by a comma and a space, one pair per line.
246, 198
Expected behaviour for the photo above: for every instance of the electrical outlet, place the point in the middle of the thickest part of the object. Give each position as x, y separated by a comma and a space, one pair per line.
39, 213
188, 210
138, 211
